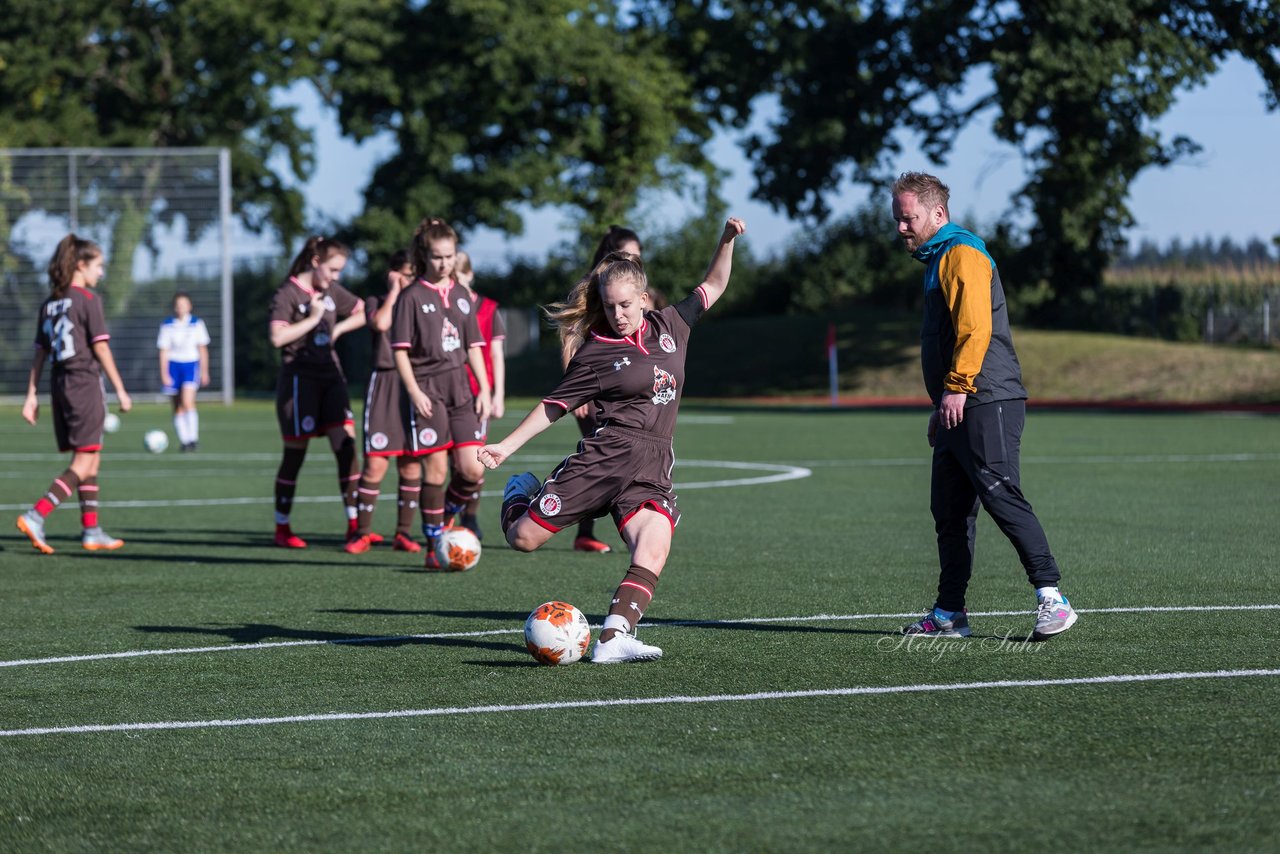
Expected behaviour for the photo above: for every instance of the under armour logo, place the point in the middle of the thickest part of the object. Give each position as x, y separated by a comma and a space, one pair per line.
428, 308
617, 366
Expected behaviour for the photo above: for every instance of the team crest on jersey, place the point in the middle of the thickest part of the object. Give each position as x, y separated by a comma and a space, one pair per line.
378, 441
667, 343
427, 436
550, 504
450, 338
664, 386
308, 424
463, 305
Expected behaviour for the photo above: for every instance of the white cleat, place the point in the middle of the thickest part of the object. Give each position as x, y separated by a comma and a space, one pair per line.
623, 648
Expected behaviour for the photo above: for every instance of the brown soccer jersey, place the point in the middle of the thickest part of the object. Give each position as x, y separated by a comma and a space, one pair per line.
67, 329
636, 381
436, 324
313, 352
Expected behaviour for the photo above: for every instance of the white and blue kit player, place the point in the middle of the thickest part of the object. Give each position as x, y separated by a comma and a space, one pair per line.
183, 343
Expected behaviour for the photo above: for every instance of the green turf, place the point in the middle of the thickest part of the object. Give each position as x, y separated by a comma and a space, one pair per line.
1141, 511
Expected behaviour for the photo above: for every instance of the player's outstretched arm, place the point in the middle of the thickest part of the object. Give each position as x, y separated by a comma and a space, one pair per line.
722, 261
535, 422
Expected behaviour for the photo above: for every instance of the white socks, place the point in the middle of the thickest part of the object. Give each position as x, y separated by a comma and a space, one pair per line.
187, 426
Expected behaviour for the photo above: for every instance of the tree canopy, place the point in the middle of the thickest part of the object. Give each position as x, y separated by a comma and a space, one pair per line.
498, 106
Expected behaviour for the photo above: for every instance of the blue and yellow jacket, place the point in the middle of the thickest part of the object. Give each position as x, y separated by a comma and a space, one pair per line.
965, 342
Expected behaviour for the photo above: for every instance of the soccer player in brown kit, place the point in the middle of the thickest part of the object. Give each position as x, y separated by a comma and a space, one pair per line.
384, 435
616, 239
434, 336
493, 329
71, 334
632, 364
311, 395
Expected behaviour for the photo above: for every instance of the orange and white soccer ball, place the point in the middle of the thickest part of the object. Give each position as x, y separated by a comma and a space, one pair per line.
557, 633
457, 549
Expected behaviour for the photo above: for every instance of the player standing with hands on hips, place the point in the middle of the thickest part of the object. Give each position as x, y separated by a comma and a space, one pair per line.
632, 363
975, 382
71, 334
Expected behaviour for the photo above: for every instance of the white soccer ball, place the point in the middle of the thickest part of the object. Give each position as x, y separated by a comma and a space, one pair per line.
111, 423
156, 441
457, 549
557, 633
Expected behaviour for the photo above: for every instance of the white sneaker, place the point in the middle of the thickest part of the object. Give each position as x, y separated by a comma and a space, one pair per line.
622, 648
1053, 617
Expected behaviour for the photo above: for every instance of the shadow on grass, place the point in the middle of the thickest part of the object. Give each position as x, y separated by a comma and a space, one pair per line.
504, 617
517, 618
252, 633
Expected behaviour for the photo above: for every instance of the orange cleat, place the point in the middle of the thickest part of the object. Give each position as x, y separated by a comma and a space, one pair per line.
432, 563
374, 539
31, 523
287, 539
358, 545
591, 544
405, 543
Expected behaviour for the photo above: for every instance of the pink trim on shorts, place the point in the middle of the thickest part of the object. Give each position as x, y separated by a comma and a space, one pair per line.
469, 443
386, 453
542, 522
87, 449
425, 452
326, 427
652, 504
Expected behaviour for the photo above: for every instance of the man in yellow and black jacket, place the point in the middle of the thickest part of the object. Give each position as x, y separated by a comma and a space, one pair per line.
972, 374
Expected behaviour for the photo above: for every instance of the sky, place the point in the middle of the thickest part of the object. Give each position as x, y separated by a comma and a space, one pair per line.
1200, 197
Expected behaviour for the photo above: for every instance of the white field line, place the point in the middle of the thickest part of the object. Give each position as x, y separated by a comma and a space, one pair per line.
777, 474
868, 690
653, 624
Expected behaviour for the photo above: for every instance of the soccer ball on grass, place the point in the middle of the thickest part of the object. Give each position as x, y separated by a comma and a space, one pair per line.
557, 633
155, 441
457, 549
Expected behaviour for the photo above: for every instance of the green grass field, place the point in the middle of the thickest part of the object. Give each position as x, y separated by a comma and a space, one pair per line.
786, 715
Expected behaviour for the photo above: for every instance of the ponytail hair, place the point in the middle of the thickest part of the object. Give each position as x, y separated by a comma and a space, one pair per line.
317, 247
71, 252
583, 308
429, 231
613, 241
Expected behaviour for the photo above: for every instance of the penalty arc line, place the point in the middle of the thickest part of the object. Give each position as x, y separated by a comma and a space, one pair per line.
777, 474
870, 690
654, 624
